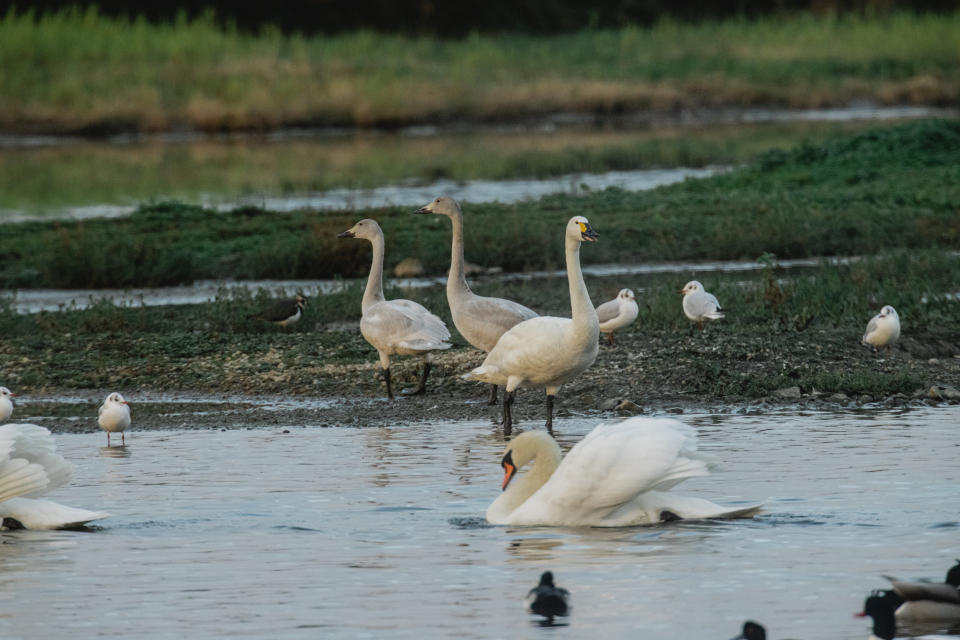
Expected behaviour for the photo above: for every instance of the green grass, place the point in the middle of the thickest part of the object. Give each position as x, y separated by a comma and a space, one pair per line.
79, 70
875, 191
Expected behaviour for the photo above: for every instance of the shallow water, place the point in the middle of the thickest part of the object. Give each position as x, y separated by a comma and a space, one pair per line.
378, 532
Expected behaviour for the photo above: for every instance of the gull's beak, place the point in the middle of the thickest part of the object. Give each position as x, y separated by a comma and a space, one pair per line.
347, 234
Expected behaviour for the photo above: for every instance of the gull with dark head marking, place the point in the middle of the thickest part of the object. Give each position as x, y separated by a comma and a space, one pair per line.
114, 415
6, 404
882, 330
617, 313
395, 327
698, 305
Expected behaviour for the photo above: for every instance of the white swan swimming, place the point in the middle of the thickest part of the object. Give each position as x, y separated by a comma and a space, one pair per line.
481, 320
617, 313
6, 404
395, 327
618, 475
547, 351
698, 305
30, 467
114, 415
882, 330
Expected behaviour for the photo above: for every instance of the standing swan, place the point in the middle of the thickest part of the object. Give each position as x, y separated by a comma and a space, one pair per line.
547, 351
617, 476
30, 467
395, 327
480, 320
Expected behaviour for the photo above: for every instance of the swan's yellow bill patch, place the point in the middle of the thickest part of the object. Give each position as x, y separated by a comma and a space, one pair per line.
583, 227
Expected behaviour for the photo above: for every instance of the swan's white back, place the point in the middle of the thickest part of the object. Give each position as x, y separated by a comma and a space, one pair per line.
618, 475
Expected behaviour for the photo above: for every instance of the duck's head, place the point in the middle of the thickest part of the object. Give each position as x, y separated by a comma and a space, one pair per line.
953, 576
690, 287
752, 631
366, 229
579, 229
443, 205
301, 300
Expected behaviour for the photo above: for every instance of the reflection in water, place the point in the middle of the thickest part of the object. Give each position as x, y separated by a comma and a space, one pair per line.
246, 532
115, 451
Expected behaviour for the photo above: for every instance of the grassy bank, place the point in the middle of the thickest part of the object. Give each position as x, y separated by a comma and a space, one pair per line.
782, 329
78, 71
879, 190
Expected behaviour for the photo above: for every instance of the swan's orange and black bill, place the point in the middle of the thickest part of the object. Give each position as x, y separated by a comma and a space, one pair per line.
509, 469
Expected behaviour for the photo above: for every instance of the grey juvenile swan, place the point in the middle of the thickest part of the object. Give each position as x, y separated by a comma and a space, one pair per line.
395, 327
546, 351
479, 319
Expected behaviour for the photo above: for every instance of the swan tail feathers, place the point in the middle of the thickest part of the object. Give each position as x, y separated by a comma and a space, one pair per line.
46, 514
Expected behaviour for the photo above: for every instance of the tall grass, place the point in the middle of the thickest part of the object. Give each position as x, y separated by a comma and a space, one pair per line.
78, 70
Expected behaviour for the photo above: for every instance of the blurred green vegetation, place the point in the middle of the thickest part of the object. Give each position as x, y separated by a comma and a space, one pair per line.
77, 70
883, 189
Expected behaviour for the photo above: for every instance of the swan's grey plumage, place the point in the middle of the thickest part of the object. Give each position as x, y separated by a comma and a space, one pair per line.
698, 305
31, 467
547, 351
883, 329
394, 327
481, 320
617, 313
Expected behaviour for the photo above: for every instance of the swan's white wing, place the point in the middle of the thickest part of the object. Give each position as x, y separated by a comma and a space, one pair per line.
611, 467
483, 320
45, 514
530, 350
35, 445
608, 310
19, 477
394, 322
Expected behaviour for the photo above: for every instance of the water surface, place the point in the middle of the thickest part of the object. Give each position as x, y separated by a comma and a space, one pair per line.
378, 532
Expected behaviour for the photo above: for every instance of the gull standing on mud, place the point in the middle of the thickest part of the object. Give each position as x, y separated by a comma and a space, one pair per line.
882, 330
698, 305
6, 404
30, 467
395, 327
479, 319
547, 351
617, 313
114, 415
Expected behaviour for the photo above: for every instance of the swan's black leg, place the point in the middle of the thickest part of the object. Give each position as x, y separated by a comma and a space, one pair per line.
550, 414
386, 378
507, 422
493, 395
423, 382
610, 338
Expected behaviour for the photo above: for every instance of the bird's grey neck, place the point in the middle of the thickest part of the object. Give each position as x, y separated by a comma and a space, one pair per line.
456, 280
374, 291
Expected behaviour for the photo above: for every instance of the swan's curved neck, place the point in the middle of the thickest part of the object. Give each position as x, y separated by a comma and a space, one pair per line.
456, 281
374, 291
581, 309
544, 464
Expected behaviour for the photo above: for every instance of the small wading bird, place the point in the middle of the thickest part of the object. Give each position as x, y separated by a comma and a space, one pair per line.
882, 330
283, 313
114, 416
617, 476
546, 351
479, 319
395, 327
617, 313
751, 631
30, 467
698, 305
6, 404
548, 600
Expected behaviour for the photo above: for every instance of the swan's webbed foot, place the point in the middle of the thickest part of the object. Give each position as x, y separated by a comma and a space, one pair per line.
422, 387
493, 395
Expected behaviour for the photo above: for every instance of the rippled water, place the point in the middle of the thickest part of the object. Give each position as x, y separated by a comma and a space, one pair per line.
378, 532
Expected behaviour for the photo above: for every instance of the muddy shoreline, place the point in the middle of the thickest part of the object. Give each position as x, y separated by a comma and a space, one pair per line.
652, 373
